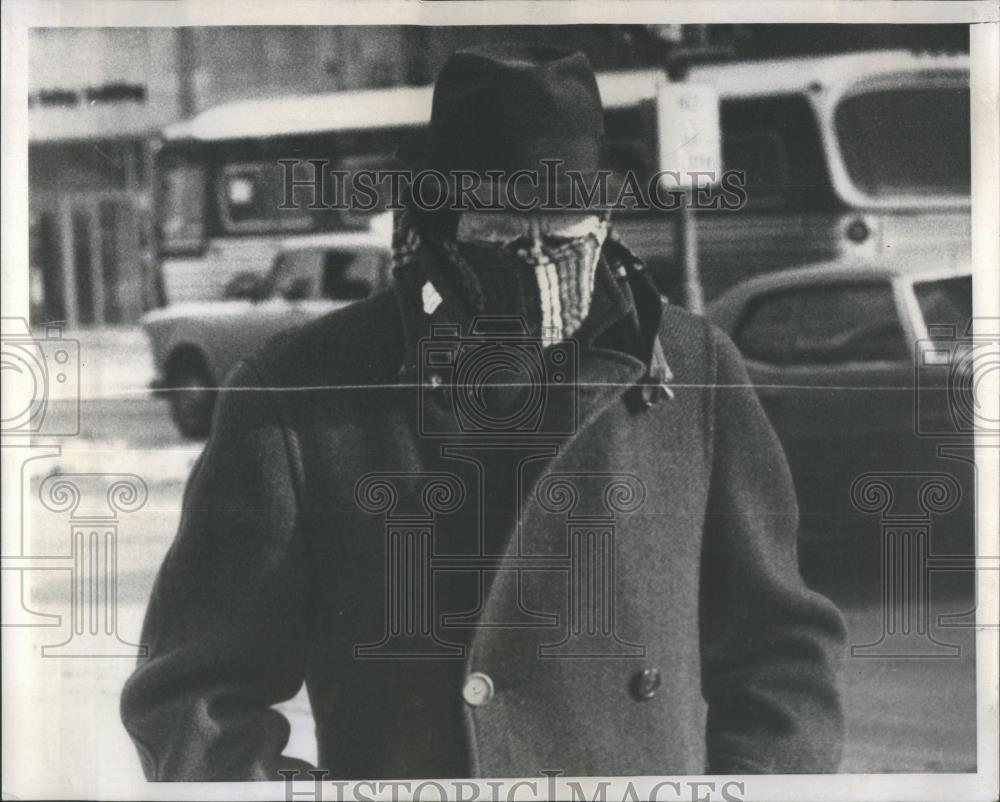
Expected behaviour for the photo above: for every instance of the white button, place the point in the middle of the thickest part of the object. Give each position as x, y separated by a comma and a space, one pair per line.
431, 298
478, 689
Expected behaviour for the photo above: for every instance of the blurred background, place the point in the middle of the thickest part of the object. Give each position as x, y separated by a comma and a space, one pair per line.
100, 100
158, 253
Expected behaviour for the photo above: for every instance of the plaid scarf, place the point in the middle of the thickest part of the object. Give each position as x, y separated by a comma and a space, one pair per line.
428, 268
549, 286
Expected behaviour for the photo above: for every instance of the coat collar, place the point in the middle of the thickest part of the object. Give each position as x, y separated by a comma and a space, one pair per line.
622, 326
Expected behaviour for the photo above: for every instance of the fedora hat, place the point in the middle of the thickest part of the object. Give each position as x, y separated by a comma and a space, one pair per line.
522, 118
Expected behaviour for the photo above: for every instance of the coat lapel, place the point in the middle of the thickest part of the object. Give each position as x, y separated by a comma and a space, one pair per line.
605, 376
577, 384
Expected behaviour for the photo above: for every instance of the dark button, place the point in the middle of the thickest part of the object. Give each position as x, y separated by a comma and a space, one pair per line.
645, 683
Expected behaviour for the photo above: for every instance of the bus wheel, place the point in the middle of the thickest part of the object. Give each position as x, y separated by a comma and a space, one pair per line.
191, 395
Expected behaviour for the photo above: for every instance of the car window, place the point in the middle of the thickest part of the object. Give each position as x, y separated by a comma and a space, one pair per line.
351, 275
337, 275
946, 302
827, 324
298, 274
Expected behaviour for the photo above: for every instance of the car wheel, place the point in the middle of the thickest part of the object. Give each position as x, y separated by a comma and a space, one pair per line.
192, 397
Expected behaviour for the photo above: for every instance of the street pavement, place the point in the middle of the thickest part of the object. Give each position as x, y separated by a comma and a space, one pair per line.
904, 715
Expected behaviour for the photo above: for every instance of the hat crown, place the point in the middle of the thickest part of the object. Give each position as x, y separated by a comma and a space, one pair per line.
509, 107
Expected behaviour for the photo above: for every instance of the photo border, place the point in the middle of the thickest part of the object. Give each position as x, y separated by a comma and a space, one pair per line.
28, 774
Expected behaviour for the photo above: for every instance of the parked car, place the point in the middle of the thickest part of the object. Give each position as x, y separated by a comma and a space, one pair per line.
196, 344
860, 367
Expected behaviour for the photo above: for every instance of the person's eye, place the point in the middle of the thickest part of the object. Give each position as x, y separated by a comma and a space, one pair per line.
518, 243
555, 243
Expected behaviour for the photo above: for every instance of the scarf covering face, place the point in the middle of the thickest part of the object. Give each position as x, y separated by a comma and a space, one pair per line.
508, 282
539, 268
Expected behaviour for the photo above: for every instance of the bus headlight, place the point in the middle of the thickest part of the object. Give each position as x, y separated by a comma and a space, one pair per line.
857, 231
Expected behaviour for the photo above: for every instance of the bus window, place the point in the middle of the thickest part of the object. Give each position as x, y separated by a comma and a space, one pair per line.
776, 142
907, 141
763, 158
249, 196
182, 206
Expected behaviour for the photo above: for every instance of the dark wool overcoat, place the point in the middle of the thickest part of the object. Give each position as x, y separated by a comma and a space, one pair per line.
611, 588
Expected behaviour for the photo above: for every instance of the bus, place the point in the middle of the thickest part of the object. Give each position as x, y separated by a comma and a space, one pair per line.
850, 155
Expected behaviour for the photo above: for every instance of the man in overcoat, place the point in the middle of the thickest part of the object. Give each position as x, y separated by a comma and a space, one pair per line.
516, 514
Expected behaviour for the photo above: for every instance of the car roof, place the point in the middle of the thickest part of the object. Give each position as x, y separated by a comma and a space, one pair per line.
724, 308
331, 244
378, 236
824, 272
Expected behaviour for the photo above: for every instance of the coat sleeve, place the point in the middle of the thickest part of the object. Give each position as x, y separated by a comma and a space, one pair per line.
771, 648
225, 626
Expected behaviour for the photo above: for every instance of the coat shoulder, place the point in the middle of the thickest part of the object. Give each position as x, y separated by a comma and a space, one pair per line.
690, 344
361, 342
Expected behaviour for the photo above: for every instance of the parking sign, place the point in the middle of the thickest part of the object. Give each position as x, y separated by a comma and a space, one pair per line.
687, 120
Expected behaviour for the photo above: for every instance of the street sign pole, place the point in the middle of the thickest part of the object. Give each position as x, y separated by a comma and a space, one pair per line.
687, 122
686, 237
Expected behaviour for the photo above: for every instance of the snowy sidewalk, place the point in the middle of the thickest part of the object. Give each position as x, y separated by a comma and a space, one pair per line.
104, 418
114, 362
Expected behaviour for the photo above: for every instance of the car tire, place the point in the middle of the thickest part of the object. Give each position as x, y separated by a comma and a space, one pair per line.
191, 396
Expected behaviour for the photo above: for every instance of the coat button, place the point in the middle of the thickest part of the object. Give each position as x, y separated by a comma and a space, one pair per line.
645, 683
478, 689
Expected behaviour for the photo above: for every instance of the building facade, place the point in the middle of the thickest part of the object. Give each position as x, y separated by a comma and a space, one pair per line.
98, 97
